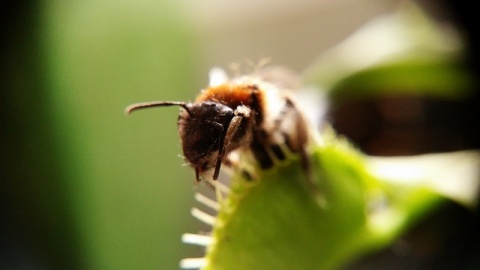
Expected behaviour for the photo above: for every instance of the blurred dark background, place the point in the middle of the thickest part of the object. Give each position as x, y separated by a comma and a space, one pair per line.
394, 125
37, 229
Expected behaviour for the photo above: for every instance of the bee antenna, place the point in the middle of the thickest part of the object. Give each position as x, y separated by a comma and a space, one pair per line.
144, 105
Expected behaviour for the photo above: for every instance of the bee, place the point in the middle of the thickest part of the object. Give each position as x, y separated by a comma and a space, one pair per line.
253, 113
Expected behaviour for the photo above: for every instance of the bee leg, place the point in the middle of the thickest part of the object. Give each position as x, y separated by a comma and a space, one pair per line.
240, 113
260, 153
297, 141
278, 152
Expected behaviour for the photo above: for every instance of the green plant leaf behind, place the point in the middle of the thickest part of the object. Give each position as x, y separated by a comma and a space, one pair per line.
400, 53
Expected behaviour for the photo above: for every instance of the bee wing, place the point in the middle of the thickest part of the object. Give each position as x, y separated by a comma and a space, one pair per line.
282, 77
311, 101
217, 76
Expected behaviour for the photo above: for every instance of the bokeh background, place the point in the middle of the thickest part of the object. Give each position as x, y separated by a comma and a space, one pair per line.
84, 187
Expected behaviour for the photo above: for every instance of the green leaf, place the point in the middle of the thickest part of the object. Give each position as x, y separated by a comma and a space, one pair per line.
276, 222
400, 53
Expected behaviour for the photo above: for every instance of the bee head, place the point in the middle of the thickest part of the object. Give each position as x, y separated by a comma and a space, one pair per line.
202, 128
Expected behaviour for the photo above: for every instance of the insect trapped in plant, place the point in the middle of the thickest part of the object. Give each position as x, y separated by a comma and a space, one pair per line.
254, 113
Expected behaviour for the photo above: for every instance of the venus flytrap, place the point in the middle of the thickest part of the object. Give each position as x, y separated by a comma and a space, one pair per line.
275, 222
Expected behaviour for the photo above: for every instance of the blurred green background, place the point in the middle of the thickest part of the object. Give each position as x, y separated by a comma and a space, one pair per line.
84, 187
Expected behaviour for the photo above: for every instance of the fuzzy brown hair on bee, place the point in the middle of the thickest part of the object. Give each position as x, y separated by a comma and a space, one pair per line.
246, 113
